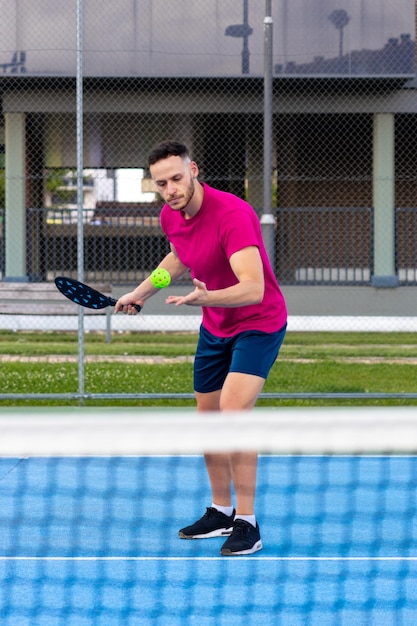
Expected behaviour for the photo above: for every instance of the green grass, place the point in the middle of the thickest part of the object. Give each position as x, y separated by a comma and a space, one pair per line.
309, 363
52, 343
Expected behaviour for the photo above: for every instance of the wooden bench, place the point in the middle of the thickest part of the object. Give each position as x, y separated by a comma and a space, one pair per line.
45, 299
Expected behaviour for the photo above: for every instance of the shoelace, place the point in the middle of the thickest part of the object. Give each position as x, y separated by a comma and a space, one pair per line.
212, 511
241, 527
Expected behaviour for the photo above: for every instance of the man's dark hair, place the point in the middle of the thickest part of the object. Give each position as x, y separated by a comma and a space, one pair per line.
167, 149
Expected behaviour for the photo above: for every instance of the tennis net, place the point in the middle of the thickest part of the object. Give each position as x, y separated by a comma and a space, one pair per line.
91, 501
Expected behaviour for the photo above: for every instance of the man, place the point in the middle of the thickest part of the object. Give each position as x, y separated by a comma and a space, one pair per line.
217, 236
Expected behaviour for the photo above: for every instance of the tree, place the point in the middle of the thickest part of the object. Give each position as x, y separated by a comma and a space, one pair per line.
340, 19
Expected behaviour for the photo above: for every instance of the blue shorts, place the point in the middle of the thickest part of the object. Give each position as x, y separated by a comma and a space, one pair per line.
250, 352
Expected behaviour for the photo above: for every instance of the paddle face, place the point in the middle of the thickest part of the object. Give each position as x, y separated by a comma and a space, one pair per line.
83, 294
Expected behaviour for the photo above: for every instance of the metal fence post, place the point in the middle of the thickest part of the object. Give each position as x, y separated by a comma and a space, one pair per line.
267, 218
80, 191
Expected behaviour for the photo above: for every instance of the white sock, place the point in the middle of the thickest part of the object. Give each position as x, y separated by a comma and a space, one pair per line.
227, 510
248, 518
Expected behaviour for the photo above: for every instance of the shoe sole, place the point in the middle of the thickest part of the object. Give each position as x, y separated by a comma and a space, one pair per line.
220, 532
227, 552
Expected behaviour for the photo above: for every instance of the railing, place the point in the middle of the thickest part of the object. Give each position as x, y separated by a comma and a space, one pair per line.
406, 240
120, 249
314, 246
324, 246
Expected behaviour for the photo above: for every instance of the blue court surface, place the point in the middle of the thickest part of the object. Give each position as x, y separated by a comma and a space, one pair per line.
88, 541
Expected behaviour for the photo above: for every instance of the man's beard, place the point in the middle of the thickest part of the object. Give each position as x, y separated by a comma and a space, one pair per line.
186, 199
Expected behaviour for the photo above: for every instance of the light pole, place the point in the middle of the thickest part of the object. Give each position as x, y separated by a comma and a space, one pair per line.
244, 31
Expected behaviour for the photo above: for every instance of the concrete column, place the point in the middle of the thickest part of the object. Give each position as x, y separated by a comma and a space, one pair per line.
15, 214
384, 273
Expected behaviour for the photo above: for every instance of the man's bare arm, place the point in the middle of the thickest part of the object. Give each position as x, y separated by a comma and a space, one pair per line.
247, 266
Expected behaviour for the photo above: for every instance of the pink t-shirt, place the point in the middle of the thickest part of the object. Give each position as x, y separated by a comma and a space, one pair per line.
224, 225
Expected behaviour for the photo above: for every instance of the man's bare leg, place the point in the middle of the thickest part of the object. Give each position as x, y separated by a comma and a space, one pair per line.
239, 393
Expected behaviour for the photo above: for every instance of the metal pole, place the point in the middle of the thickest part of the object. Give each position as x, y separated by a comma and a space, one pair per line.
80, 192
245, 50
268, 218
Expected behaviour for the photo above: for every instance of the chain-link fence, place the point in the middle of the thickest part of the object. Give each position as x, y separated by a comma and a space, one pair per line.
341, 173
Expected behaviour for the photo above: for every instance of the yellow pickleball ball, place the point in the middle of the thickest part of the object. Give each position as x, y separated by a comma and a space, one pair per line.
160, 278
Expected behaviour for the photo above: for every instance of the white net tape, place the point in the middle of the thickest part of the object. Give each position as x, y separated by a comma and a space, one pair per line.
121, 431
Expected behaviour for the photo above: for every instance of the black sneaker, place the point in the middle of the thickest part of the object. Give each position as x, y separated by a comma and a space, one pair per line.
214, 523
245, 539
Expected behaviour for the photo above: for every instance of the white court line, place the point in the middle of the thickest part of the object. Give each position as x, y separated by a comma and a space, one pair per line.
208, 558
